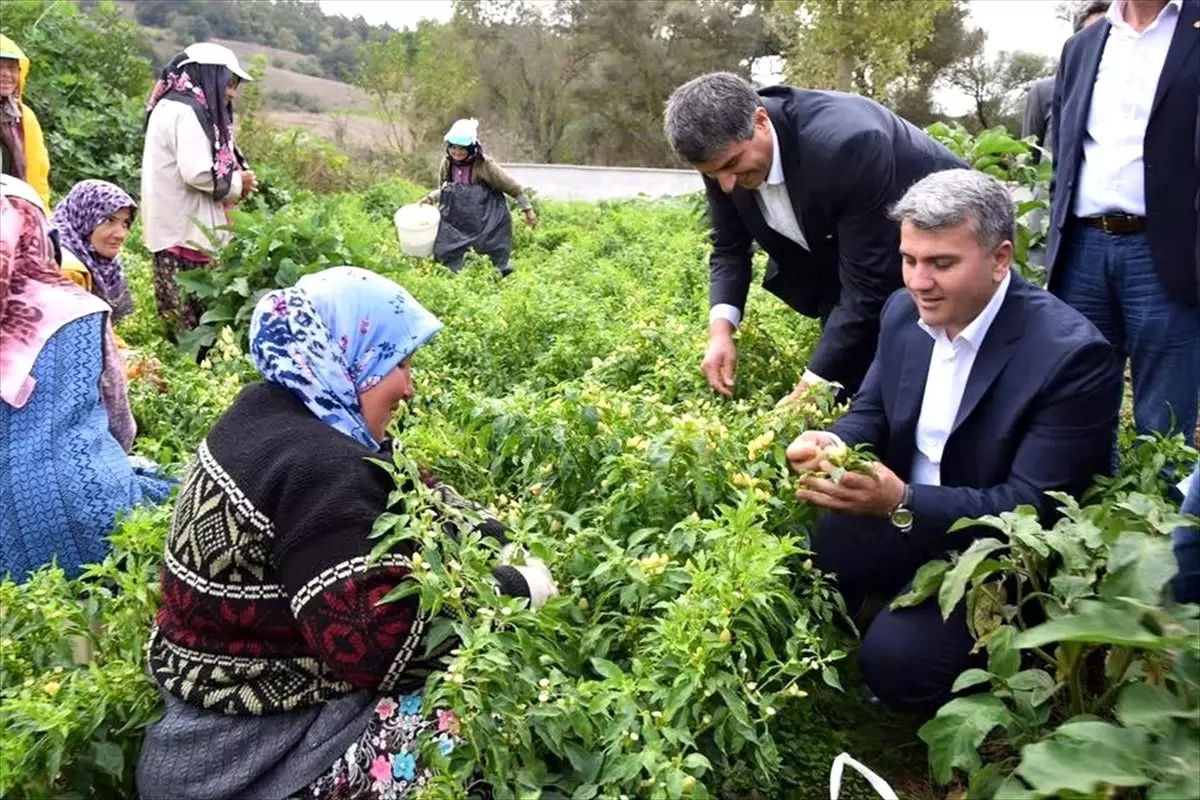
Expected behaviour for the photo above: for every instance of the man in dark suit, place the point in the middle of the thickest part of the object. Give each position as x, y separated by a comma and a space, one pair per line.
1039, 119
1125, 206
985, 393
809, 176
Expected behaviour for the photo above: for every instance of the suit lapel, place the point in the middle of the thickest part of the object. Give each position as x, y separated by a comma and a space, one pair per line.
1185, 38
997, 348
1080, 102
910, 391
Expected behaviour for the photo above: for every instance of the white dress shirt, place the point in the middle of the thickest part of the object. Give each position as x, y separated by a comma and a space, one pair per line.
949, 367
780, 216
1111, 175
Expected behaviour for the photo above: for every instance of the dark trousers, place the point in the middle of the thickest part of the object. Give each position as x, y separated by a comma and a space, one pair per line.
1111, 280
909, 657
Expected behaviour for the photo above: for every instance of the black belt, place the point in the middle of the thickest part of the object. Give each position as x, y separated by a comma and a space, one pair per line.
1115, 224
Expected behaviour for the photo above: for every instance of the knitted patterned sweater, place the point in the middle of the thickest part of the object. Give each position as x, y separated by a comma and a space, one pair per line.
269, 603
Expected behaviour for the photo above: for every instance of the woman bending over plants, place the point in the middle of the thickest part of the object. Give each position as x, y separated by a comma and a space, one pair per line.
473, 207
283, 673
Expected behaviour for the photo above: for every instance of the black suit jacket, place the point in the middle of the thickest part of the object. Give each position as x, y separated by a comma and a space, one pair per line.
1039, 116
846, 160
1039, 413
1171, 151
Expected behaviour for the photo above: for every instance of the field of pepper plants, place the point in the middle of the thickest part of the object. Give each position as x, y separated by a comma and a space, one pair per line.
692, 650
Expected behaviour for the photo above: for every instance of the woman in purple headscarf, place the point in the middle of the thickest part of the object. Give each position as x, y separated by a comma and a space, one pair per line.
93, 222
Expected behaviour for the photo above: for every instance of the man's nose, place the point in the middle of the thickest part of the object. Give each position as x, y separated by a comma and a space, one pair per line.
727, 181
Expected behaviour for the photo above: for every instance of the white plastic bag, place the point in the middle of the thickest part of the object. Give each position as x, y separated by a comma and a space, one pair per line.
835, 778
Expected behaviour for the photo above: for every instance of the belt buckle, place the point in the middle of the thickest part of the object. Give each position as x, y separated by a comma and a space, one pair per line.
1104, 224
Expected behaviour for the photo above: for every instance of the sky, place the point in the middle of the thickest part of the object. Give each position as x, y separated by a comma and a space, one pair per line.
1011, 25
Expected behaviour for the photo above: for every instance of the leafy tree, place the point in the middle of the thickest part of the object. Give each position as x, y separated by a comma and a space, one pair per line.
996, 86
851, 45
912, 95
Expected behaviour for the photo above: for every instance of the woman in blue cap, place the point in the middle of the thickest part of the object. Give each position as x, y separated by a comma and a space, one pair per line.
474, 211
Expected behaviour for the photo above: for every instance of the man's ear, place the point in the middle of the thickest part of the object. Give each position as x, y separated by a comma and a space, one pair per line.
761, 117
1002, 260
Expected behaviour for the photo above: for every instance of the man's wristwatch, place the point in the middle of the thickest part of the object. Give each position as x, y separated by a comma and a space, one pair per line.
902, 515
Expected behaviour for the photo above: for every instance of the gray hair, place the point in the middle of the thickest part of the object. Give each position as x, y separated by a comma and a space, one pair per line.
949, 198
707, 114
1087, 9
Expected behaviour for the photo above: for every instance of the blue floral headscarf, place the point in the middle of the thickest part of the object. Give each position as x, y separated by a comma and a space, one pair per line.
335, 334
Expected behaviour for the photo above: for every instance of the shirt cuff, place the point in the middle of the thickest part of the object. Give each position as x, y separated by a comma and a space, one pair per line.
727, 312
812, 378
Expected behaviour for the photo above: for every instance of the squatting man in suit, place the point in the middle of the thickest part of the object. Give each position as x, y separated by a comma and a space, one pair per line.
809, 176
985, 393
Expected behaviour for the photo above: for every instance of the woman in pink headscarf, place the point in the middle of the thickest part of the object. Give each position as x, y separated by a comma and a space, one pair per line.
65, 424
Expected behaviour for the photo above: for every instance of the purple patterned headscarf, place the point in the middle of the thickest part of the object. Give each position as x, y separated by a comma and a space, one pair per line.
87, 205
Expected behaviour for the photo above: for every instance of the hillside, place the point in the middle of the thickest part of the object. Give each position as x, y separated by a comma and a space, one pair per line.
332, 109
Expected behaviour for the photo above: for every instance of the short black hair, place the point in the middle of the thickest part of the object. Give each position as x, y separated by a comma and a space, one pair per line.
1088, 9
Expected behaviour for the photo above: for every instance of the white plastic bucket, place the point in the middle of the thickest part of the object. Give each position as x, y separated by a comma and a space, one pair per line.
417, 228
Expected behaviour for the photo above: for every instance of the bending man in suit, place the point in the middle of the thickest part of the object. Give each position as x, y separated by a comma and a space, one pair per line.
985, 393
809, 176
1124, 241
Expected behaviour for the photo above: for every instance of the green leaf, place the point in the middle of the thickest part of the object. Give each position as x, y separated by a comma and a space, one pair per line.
955, 584
109, 757
1096, 623
972, 677
697, 763
1038, 684
1004, 659
1152, 708
830, 676
954, 735
1084, 757
607, 669
1139, 566
924, 584
216, 315
441, 630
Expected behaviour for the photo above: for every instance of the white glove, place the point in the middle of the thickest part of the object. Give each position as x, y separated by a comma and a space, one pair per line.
536, 574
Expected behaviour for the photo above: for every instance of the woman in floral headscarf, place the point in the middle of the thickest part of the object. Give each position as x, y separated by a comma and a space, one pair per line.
272, 648
93, 222
191, 170
65, 424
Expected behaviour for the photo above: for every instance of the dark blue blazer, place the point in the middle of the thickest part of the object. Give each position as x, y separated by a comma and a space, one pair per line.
846, 160
1171, 151
1039, 412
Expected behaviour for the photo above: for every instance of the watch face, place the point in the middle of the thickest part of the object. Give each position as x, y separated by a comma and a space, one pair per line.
902, 518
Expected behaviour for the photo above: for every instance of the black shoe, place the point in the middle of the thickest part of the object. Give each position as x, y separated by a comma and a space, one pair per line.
506, 271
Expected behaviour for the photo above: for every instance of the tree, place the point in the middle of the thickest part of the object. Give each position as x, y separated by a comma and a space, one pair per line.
641, 50
997, 86
851, 45
911, 96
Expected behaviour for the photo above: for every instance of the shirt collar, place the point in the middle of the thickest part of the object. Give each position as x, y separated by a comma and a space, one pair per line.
775, 175
1116, 16
975, 332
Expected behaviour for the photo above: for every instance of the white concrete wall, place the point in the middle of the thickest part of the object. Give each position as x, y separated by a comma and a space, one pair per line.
589, 184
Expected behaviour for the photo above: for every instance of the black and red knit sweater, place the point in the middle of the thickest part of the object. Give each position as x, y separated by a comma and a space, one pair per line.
269, 603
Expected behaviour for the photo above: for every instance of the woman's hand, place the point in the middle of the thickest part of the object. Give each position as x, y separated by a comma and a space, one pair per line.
531, 218
249, 183
427, 200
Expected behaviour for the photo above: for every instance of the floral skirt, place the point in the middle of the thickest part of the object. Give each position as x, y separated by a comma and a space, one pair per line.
382, 764
183, 313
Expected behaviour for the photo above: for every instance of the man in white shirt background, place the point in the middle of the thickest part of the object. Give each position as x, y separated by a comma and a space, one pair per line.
985, 393
1124, 246
808, 176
